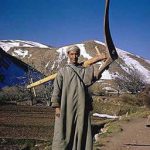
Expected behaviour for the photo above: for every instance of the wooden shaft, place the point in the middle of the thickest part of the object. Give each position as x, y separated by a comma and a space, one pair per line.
33, 88
46, 79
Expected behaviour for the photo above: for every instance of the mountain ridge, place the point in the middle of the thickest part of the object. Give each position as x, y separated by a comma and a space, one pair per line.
47, 60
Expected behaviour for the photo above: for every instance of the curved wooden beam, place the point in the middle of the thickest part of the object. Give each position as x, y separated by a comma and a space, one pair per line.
110, 48
108, 39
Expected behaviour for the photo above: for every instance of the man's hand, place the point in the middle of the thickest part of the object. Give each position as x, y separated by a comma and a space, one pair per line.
57, 112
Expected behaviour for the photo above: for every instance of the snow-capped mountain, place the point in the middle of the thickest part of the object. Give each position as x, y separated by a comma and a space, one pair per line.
13, 71
7, 44
47, 60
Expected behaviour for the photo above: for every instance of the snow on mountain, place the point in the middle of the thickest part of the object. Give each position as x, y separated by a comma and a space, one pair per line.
27, 51
62, 51
99, 42
13, 71
20, 52
7, 44
132, 63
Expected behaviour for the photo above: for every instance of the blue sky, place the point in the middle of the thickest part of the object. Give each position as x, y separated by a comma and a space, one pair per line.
63, 22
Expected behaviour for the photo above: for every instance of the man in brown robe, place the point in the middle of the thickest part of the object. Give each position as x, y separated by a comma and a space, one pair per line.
73, 103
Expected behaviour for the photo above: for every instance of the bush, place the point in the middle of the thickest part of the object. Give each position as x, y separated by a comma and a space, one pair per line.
131, 99
96, 89
22, 94
116, 106
10, 94
145, 97
146, 101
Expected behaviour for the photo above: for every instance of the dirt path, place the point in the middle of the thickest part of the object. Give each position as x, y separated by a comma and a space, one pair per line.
135, 136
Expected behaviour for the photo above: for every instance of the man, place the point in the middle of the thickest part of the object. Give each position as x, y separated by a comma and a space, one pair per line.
73, 103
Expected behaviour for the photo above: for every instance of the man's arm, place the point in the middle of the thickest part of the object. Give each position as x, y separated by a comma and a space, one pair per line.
104, 66
95, 59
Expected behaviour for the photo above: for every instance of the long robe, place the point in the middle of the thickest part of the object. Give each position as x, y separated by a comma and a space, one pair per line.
73, 128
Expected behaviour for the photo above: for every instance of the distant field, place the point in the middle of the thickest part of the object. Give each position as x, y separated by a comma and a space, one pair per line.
26, 122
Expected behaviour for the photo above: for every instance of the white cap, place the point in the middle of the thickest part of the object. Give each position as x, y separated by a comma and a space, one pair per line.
73, 48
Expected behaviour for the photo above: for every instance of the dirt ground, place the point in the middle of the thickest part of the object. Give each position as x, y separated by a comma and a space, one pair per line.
37, 123
26, 122
135, 136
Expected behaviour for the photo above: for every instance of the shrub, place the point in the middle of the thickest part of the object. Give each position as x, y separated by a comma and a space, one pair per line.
131, 99
145, 97
115, 106
10, 94
96, 89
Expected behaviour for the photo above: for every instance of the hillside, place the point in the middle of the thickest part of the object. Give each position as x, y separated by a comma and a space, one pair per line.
18, 58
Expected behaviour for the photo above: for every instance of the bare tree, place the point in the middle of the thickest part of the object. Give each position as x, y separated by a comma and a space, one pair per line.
43, 92
132, 81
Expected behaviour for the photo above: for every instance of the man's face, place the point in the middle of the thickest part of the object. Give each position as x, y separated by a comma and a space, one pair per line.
73, 56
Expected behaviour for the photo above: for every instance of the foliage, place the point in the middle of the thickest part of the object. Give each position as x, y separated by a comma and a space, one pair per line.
96, 89
10, 94
130, 99
145, 97
126, 103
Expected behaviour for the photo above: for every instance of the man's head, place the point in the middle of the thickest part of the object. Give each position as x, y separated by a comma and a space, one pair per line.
73, 53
